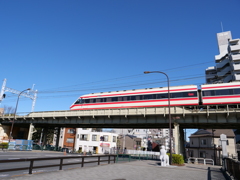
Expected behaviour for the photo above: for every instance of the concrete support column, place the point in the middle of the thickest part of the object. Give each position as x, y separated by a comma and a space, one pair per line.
178, 139
45, 130
30, 132
58, 137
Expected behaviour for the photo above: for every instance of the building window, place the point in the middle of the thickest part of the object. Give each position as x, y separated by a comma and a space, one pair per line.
203, 142
191, 153
94, 137
105, 138
202, 154
70, 140
71, 131
83, 137
114, 138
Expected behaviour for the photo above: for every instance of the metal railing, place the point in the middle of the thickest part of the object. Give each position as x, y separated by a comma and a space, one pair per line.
200, 160
232, 167
134, 157
127, 111
97, 159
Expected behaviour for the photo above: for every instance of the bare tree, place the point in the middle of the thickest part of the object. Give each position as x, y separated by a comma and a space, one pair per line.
8, 110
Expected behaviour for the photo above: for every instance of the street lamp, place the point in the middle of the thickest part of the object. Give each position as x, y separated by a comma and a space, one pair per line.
169, 113
10, 135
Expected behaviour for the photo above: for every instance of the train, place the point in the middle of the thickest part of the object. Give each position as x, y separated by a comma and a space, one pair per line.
186, 95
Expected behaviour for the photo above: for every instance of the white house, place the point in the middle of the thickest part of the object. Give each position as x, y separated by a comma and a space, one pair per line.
88, 139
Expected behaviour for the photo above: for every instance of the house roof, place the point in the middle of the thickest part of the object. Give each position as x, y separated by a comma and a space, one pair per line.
210, 133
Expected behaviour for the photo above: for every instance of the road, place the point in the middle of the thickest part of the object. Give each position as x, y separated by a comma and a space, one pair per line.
40, 154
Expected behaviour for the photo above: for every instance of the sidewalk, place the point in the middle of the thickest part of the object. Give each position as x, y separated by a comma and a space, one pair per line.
136, 170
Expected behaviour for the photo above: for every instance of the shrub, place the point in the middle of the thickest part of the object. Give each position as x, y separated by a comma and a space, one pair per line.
4, 145
177, 159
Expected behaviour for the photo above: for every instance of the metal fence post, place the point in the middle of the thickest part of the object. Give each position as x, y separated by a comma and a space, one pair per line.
98, 160
31, 166
61, 164
82, 161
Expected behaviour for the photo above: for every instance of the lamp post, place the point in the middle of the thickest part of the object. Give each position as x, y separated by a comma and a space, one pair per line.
10, 135
169, 113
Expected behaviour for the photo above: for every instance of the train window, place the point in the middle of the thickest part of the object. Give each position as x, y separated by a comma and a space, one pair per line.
161, 96
114, 98
78, 102
120, 98
125, 98
92, 100
109, 99
98, 100
104, 100
138, 97
86, 100
176, 95
222, 92
147, 97
209, 93
236, 91
133, 98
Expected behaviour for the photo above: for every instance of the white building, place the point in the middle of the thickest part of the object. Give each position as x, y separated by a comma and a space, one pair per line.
227, 66
90, 140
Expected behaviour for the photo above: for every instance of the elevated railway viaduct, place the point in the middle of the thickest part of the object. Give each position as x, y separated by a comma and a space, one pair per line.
217, 117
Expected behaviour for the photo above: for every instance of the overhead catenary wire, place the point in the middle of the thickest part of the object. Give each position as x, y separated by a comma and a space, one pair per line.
131, 76
106, 84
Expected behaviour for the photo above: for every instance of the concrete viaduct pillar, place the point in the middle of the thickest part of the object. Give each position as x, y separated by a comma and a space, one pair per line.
179, 139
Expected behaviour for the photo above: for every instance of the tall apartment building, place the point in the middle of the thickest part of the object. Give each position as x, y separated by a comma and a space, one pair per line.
227, 68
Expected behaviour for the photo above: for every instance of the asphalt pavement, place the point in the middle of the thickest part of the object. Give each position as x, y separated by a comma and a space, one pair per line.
135, 170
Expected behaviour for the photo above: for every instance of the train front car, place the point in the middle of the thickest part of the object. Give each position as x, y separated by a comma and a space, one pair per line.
224, 93
149, 97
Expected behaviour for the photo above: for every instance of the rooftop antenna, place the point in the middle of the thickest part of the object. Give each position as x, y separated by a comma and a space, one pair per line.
222, 26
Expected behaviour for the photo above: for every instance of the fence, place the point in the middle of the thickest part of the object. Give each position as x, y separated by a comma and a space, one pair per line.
232, 167
200, 161
97, 159
132, 155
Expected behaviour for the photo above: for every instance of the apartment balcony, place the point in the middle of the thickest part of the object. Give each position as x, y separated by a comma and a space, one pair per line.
234, 47
235, 57
237, 77
222, 63
224, 71
236, 67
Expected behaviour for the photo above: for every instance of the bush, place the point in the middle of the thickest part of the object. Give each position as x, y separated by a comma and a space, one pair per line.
4, 146
177, 159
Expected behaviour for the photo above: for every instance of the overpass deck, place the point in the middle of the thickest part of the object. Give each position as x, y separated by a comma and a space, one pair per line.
189, 117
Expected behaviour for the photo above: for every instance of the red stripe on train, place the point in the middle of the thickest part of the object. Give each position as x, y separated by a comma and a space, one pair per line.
135, 106
109, 103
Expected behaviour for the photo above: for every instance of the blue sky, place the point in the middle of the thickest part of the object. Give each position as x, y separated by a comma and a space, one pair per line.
68, 48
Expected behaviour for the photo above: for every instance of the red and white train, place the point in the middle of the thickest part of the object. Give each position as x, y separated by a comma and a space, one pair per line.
187, 95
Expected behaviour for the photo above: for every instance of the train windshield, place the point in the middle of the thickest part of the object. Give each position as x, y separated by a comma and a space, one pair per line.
79, 101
